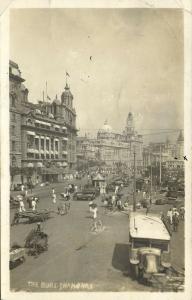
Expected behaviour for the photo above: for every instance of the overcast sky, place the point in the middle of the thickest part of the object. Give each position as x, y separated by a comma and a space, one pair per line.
137, 62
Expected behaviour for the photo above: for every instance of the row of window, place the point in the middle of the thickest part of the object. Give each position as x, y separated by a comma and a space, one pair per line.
44, 156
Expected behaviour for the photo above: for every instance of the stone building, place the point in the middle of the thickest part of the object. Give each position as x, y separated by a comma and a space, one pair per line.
115, 149
42, 135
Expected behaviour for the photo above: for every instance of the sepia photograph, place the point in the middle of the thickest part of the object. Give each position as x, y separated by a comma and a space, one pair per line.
96, 150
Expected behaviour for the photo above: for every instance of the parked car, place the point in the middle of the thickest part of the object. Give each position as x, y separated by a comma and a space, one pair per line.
161, 201
84, 195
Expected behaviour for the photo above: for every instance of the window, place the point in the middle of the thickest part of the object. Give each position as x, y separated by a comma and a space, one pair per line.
13, 100
13, 117
42, 156
56, 146
47, 145
30, 140
138, 243
12, 129
56, 156
47, 156
13, 144
160, 245
14, 161
37, 144
52, 143
52, 156
30, 155
37, 156
42, 144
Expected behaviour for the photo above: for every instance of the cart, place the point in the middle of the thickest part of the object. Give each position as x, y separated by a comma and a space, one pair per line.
36, 242
31, 216
17, 256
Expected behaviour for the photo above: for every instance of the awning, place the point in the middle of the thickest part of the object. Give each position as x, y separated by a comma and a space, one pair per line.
52, 152
30, 133
41, 122
64, 164
30, 165
56, 126
42, 151
42, 137
65, 139
47, 138
39, 165
30, 150
64, 127
36, 151
56, 140
47, 152
37, 137
64, 152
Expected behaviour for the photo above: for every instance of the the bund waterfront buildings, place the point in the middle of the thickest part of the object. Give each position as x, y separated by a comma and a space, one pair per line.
42, 135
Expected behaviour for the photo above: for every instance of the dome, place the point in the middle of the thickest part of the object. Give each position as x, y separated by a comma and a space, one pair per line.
106, 127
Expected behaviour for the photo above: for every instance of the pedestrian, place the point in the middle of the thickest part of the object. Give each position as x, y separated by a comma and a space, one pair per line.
21, 204
22, 187
34, 203
54, 196
170, 216
76, 188
116, 189
113, 200
147, 208
175, 220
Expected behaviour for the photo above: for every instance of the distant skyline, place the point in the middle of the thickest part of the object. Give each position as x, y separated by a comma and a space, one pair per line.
119, 60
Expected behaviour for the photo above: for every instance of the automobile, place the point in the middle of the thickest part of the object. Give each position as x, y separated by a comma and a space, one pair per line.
161, 201
149, 250
92, 189
84, 195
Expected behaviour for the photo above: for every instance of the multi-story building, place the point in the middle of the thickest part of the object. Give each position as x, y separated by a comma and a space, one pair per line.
42, 136
112, 148
170, 154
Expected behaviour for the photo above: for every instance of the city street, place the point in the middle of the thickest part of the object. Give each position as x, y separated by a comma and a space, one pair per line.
95, 261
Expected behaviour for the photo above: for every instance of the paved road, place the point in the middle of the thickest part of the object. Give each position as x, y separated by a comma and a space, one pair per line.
77, 255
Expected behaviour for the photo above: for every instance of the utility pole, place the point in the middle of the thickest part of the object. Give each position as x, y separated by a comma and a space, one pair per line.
160, 166
151, 176
134, 183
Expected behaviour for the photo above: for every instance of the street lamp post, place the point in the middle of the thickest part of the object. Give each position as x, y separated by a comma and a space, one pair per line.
134, 183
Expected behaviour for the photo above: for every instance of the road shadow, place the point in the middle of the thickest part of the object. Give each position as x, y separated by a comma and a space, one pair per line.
120, 259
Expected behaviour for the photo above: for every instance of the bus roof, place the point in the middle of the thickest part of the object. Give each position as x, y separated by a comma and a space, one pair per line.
148, 227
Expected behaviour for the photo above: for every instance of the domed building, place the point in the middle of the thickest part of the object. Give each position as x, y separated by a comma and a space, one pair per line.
116, 149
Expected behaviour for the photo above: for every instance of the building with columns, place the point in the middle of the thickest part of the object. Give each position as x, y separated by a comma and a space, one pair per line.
42, 136
114, 149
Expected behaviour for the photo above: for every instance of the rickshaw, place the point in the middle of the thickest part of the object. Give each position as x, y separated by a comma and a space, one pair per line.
149, 243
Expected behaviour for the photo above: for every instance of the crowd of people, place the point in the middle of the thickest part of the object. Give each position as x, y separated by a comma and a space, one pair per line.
173, 217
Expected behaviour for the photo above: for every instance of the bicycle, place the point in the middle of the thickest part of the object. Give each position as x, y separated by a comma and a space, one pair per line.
97, 226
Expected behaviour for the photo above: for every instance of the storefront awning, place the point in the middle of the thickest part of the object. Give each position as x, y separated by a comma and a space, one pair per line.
65, 139
30, 133
30, 165
39, 165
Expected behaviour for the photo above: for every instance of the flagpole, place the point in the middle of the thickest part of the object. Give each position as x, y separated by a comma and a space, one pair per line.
46, 90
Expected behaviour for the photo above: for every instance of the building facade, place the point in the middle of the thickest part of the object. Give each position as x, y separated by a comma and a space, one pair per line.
114, 149
42, 136
170, 154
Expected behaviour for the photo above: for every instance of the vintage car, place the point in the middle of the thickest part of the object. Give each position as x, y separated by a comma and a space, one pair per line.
84, 195
149, 242
161, 201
